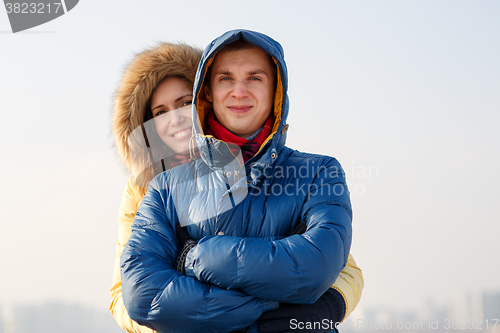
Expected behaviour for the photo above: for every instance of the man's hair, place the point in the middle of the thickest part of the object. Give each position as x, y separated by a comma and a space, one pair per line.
237, 45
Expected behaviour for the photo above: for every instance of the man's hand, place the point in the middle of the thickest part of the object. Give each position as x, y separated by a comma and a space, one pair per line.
186, 243
329, 308
325, 312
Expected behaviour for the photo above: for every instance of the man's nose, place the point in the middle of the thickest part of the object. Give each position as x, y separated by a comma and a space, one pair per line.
240, 90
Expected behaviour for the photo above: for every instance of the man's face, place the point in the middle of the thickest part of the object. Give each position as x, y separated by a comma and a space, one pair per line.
241, 90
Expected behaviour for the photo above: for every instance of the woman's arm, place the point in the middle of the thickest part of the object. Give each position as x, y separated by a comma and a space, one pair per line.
132, 196
350, 284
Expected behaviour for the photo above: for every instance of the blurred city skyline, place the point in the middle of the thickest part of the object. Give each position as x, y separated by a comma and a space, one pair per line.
470, 311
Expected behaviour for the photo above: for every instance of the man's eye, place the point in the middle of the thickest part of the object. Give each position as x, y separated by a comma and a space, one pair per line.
224, 79
255, 78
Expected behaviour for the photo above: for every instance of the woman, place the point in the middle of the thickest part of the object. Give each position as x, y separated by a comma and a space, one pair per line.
145, 87
152, 130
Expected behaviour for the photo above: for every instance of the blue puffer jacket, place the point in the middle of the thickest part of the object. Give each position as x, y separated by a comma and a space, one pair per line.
241, 214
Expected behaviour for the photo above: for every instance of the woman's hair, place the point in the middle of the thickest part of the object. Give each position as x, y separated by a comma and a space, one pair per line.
141, 150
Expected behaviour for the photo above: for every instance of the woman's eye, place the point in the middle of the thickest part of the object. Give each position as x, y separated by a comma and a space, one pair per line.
186, 103
159, 113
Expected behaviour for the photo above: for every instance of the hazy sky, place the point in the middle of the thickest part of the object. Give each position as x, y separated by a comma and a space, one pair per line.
406, 94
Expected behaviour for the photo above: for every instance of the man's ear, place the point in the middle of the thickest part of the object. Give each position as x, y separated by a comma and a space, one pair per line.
208, 94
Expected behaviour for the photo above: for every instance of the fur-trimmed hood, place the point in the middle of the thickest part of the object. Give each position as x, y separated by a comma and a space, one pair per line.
140, 79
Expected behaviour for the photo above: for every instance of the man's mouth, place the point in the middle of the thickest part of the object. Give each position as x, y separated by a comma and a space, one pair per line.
240, 109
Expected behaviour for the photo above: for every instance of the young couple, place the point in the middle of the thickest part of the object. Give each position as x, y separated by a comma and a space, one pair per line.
204, 249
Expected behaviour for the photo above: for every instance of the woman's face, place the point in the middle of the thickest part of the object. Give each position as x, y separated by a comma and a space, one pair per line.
171, 108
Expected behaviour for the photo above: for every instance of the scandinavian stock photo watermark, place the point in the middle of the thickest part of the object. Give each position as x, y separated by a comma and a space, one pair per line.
25, 15
329, 180
430, 325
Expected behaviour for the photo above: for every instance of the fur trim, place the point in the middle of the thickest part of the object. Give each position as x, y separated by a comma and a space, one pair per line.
141, 77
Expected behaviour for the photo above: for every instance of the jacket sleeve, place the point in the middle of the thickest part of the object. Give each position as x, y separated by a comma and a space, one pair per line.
296, 269
350, 284
130, 203
158, 296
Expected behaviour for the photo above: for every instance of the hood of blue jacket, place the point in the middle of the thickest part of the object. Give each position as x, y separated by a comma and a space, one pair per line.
211, 147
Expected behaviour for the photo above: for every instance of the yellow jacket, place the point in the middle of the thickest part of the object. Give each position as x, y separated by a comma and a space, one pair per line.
349, 282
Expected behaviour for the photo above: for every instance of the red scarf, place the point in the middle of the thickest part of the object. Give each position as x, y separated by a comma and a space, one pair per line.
248, 147
178, 159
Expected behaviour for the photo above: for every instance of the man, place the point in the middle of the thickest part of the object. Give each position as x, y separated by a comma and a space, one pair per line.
241, 201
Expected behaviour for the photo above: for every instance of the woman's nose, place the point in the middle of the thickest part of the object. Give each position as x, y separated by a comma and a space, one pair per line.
176, 117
